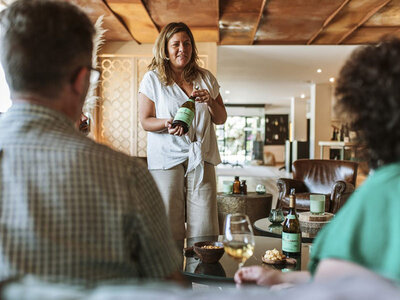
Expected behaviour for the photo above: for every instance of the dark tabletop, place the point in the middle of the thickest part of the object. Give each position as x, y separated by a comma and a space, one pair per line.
265, 228
225, 269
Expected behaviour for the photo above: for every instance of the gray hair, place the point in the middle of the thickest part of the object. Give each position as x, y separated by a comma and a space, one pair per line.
43, 43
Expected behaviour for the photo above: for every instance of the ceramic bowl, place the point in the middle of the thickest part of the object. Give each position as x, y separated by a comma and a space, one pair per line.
209, 255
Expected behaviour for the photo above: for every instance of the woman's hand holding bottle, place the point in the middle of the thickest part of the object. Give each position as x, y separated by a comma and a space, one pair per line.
176, 130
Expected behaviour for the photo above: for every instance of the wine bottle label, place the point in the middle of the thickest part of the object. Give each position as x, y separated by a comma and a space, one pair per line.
185, 115
291, 242
290, 217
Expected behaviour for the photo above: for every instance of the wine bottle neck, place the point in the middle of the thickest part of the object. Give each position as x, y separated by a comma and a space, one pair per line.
292, 203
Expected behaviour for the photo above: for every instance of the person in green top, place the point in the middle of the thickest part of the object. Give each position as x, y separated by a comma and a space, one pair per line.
364, 237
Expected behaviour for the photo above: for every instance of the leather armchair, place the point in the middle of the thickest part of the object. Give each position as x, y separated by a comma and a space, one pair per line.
335, 179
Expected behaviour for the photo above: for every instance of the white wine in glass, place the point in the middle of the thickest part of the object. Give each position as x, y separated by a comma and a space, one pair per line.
238, 237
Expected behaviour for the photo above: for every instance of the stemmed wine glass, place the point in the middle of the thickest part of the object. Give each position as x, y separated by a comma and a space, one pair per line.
238, 237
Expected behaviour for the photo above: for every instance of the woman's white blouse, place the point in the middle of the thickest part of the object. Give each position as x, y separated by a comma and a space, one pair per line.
164, 150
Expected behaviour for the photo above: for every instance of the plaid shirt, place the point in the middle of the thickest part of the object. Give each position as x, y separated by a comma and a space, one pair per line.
75, 210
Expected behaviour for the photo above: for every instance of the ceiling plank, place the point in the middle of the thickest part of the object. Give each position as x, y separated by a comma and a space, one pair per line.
386, 22
369, 34
138, 21
387, 16
116, 30
239, 21
367, 16
349, 19
293, 21
205, 34
217, 18
253, 34
197, 14
327, 21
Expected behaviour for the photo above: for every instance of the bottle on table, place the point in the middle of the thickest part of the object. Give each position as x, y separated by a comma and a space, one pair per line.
334, 138
185, 114
291, 233
341, 133
243, 187
346, 137
236, 185
337, 135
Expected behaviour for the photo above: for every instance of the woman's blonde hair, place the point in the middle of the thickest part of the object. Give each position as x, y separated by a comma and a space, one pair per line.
160, 61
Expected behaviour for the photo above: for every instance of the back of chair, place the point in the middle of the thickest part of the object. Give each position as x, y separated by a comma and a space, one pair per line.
320, 174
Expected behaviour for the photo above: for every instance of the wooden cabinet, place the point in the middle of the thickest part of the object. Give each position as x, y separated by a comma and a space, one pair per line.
276, 129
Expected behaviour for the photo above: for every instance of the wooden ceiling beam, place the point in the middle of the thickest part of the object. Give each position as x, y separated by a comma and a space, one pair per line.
287, 21
205, 34
239, 21
388, 15
371, 34
217, 20
137, 19
253, 34
351, 17
327, 21
196, 14
365, 19
115, 29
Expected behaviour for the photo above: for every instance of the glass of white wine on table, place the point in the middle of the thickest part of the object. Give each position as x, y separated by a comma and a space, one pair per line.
238, 238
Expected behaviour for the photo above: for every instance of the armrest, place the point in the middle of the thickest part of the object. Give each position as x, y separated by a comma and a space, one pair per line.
341, 190
284, 186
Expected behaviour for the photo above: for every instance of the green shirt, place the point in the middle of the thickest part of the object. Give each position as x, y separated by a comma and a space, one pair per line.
366, 230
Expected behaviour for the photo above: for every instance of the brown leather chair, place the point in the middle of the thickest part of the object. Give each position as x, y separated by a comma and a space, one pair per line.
335, 179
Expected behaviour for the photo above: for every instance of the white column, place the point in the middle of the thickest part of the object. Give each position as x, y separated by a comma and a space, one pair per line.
320, 116
298, 119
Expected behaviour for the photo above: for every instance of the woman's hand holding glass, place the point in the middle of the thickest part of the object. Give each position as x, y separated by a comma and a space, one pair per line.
203, 96
238, 237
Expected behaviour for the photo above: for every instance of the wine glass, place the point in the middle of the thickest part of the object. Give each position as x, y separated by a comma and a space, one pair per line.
238, 237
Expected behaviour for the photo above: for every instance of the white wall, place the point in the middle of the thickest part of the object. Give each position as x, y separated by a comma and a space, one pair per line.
245, 111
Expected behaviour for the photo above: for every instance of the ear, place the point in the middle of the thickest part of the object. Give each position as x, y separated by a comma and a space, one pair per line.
81, 80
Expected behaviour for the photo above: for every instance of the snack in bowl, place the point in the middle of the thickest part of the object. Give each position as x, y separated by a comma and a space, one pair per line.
273, 257
209, 252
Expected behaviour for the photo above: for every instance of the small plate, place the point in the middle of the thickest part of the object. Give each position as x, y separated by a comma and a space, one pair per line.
273, 262
289, 261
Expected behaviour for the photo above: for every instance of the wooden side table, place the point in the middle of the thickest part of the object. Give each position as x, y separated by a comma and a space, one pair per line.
254, 205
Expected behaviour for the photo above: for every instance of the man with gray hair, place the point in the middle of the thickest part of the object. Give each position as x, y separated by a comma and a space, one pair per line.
70, 209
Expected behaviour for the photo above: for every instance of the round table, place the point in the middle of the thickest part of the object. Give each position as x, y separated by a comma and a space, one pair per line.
223, 271
265, 228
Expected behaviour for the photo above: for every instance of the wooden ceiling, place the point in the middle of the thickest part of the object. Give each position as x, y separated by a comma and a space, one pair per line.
250, 22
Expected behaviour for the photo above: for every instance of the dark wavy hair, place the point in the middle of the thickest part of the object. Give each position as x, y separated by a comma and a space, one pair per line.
368, 97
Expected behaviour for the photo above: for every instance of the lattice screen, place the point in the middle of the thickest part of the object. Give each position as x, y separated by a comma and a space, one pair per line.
117, 119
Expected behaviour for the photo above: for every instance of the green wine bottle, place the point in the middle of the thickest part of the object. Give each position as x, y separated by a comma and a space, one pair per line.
291, 233
185, 115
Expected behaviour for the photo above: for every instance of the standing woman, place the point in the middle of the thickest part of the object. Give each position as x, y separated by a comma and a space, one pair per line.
182, 164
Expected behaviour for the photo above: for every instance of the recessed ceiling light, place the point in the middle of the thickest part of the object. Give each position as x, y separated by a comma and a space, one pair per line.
319, 71
332, 79
227, 92
302, 96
